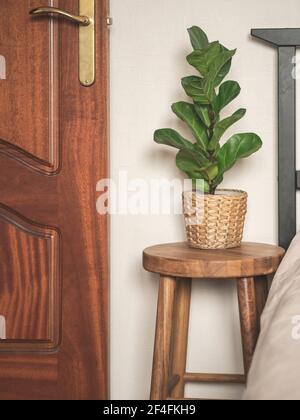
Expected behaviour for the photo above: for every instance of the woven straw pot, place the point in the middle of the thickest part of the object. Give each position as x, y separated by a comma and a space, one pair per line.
215, 221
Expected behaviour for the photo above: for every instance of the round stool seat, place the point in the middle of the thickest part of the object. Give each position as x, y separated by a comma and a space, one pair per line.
179, 260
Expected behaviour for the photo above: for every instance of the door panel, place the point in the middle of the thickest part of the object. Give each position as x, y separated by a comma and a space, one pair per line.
53, 244
29, 285
31, 53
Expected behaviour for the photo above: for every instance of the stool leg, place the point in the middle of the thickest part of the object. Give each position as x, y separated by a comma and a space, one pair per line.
248, 317
180, 335
163, 337
262, 291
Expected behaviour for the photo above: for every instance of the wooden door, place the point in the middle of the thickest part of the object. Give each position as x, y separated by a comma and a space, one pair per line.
53, 244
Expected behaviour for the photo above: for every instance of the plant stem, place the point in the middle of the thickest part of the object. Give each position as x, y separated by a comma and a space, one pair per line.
212, 189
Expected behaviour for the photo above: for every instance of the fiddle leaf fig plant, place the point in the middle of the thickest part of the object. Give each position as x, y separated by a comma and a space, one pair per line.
205, 158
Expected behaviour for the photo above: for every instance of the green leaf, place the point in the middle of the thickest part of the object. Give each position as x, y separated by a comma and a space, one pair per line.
198, 38
172, 138
203, 114
237, 147
212, 171
186, 112
223, 125
213, 62
203, 59
186, 162
217, 69
189, 166
228, 92
225, 69
200, 90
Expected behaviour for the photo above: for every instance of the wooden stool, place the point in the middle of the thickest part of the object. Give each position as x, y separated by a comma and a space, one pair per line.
177, 264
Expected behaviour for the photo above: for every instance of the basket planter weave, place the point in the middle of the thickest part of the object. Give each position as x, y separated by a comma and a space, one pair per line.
215, 221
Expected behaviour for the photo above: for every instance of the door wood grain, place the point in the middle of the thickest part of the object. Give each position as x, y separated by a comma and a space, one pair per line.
53, 243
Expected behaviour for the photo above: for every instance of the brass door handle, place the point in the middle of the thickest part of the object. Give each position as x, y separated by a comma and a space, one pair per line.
86, 21
41, 11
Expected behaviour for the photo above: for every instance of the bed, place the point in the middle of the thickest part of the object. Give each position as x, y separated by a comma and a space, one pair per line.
275, 370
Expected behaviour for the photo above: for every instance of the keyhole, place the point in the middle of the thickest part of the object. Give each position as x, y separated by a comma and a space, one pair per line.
2, 68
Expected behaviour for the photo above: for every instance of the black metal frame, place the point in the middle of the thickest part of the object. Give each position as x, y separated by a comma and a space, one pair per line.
286, 40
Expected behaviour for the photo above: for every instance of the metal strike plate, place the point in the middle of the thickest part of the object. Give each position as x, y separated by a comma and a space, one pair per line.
87, 62
2, 328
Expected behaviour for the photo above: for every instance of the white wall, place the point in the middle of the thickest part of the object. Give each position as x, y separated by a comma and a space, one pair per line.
149, 43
